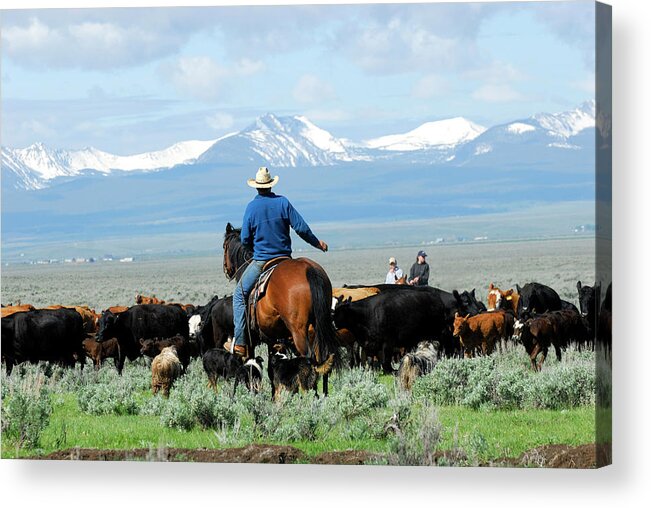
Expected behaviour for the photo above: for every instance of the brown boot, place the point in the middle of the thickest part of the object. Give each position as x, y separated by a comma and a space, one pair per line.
241, 351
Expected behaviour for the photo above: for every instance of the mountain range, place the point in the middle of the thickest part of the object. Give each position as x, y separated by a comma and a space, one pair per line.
450, 178
294, 141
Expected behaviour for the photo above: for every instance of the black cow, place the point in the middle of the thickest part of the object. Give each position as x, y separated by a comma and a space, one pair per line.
589, 298
53, 335
221, 319
394, 319
201, 324
536, 298
605, 323
464, 303
146, 321
467, 302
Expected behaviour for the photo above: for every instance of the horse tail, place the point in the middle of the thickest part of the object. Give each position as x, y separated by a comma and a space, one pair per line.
321, 292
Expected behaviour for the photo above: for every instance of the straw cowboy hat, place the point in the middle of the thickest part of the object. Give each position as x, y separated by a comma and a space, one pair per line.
263, 179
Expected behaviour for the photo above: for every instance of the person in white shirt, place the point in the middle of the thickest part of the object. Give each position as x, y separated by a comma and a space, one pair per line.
395, 272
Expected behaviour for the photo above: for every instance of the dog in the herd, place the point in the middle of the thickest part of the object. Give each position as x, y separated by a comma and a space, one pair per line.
219, 363
292, 374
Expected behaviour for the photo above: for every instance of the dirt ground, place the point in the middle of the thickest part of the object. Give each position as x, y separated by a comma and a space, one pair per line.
553, 456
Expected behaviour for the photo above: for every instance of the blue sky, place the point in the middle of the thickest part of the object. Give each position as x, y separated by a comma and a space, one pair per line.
134, 80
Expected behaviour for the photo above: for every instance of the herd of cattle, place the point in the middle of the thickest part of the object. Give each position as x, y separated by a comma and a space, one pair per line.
374, 323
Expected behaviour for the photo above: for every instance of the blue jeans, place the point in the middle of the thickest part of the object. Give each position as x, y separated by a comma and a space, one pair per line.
241, 297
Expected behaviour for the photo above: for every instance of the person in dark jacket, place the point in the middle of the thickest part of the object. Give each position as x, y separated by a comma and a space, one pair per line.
419, 272
265, 230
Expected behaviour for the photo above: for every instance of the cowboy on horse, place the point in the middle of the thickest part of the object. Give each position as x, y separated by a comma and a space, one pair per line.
265, 230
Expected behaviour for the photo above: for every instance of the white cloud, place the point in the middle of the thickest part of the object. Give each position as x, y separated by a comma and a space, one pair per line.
393, 39
200, 77
311, 89
497, 93
203, 78
220, 121
86, 44
247, 67
496, 72
36, 128
430, 86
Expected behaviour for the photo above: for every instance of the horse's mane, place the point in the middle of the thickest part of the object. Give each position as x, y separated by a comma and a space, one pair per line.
238, 254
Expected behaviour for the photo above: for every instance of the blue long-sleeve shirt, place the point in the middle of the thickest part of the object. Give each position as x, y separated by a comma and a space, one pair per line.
265, 227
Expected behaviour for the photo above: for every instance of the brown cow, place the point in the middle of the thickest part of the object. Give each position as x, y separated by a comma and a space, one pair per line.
153, 347
354, 294
100, 351
480, 331
537, 335
556, 328
144, 300
88, 315
116, 309
505, 300
12, 309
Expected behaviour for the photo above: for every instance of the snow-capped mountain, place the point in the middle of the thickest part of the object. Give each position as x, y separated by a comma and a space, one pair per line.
442, 134
568, 123
37, 164
294, 141
289, 141
539, 138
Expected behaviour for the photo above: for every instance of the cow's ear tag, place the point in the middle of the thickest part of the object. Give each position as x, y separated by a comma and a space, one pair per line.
509, 298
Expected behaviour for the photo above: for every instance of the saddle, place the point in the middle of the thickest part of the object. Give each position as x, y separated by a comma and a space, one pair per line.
260, 289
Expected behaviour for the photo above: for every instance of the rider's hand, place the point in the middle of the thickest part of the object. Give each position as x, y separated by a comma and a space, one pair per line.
323, 246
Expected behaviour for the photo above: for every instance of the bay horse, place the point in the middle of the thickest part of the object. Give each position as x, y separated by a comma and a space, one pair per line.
298, 294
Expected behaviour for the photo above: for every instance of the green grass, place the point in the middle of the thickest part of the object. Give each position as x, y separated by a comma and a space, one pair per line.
509, 433
493, 433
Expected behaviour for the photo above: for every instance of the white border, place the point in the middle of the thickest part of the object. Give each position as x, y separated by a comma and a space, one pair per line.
626, 483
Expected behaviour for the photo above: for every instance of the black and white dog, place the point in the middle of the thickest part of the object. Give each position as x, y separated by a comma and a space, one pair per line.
292, 374
220, 363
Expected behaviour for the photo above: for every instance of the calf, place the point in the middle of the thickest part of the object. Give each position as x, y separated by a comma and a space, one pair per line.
165, 369
153, 347
296, 373
100, 351
480, 331
537, 335
502, 300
